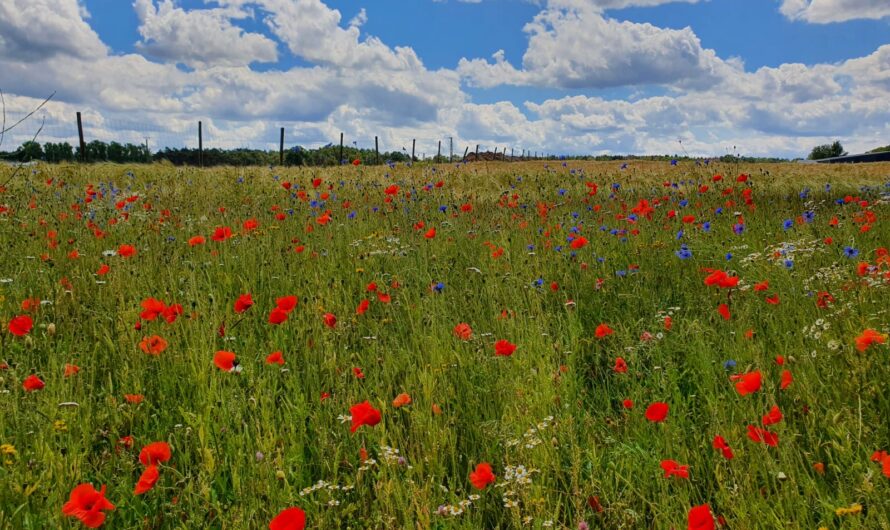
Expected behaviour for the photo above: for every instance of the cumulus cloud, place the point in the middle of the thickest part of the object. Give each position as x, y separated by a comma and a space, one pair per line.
199, 37
39, 29
828, 11
575, 46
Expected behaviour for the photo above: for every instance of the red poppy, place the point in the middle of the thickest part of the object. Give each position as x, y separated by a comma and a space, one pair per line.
356, 162
700, 518
657, 412
603, 330
578, 243
224, 360
32, 383
431, 233
773, 300
363, 414
723, 309
747, 383
482, 476
88, 505
786, 379
275, 358
504, 348
721, 279
71, 369
103, 270
289, 519
147, 480
171, 313
357, 372
668, 323
330, 320
362, 307
277, 316
628, 404
867, 338
392, 189
773, 416
673, 469
151, 308
221, 233
196, 240
463, 331
286, 303
756, 434
126, 251
620, 365
762, 286
153, 345
720, 443
401, 400
155, 453
20, 325
243, 303
250, 225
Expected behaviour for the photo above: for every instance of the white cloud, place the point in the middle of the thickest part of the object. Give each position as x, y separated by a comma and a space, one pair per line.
199, 37
579, 47
38, 29
827, 11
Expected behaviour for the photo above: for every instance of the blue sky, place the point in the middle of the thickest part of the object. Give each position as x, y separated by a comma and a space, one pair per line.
584, 76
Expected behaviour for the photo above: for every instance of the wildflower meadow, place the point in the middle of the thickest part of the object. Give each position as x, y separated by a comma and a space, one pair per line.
550, 344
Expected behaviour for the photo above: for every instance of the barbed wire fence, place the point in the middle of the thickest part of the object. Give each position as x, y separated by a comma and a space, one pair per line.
89, 135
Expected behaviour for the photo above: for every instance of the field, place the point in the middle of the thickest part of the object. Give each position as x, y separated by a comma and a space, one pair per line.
622, 345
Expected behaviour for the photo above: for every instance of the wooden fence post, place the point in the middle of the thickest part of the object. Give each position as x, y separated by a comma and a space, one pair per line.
413, 143
200, 144
83, 145
281, 149
376, 151
341, 149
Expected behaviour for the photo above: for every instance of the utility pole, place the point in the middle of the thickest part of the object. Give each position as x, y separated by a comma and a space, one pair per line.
83, 145
147, 151
200, 144
451, 149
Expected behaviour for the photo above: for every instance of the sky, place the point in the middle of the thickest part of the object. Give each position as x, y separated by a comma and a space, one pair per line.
697, 77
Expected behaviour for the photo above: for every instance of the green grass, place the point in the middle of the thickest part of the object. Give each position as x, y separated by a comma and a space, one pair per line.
245, 445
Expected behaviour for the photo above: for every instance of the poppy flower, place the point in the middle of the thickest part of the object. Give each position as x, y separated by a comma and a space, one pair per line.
463, 331
362, 307
151, 309
392, 189
135, 399
153, 345
275, 358
722, 280
747, 383
330, 320
196, 240
88, 505
723, 309
762, 286
867, 338
578, 243
155, 453
430, 234
673, 469
357, 372
786, 379
126, 251
103, 270
171, 313
147, 480
250, 225
401, 400
603, 330
71, 369
720, 444
363, 414
20, 325
773, 416
289, 519
277, 316
482, 476
286, 303
221, 233
384, 298
700, 518
620, 365
657, 412
668, 323
224, 360
243, 303
32, 383
756, 434
504, 348
628, 404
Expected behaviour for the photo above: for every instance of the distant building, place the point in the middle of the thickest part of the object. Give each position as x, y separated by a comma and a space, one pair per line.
851, 159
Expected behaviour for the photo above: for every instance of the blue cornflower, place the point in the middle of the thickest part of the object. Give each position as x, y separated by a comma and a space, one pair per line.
788, 224
789, 263
683, 253
738, 228
851, 252
809, 216
729, 365
706, 226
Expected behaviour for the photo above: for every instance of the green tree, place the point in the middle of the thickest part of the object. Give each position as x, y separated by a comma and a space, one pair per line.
827, 151
29, 150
